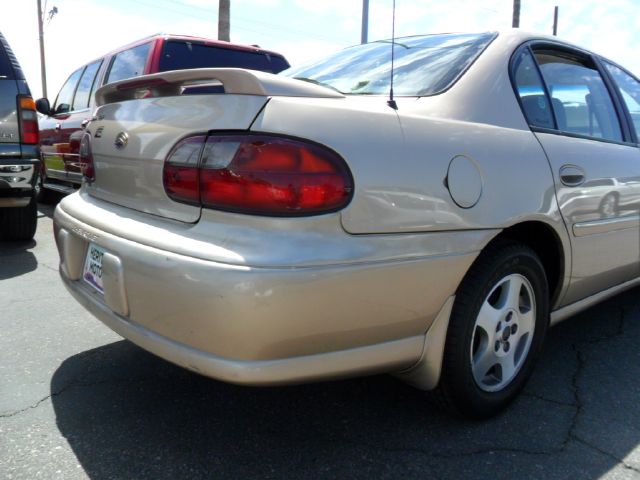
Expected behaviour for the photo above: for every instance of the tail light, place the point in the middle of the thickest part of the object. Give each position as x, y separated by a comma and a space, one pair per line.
29, 133
257, 174
86, 158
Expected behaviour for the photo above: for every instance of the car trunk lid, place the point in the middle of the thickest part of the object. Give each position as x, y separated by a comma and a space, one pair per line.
139, 121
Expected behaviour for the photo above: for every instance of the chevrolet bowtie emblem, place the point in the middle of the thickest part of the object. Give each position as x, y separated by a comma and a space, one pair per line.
121, 140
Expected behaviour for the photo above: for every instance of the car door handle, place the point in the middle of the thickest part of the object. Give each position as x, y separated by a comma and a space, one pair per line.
58, 126
571, 175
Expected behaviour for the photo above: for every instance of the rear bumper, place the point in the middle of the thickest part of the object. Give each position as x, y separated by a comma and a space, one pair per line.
386, 356
260, 325
17, 178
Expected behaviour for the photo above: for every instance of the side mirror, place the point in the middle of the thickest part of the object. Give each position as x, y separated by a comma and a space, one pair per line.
43, 106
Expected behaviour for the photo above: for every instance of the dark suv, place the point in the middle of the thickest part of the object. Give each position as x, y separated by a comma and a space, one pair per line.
62, 126
19, 152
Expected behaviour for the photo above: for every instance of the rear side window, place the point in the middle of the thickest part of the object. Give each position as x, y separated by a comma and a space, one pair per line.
581, 101
6, 71
630, 91
65, 97
83, 91
181, 55
129, 63
531, 91
9, 66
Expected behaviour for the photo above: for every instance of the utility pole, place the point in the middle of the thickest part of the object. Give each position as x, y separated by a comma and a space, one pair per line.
555, 21
365, 22
43, 70
516, 14
224, 21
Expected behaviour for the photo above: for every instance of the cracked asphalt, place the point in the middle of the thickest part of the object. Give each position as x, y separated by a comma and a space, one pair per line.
77, 401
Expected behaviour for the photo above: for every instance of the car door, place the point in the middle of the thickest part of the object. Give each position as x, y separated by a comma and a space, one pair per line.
592, 157
72, 126
51, 141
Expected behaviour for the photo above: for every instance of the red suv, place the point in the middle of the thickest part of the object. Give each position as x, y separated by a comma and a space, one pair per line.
61, 127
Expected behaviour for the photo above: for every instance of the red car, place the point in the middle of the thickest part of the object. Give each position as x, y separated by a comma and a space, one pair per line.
62, 125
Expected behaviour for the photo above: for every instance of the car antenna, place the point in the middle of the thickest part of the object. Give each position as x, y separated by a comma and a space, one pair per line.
391, 102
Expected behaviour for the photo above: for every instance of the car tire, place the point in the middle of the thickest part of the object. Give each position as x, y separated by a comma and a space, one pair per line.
43, 195
19, 223
496, 330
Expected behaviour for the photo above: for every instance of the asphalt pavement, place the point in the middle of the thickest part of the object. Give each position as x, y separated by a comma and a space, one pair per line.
77, 401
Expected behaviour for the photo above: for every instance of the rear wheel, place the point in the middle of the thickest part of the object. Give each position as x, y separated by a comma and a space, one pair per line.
496, 330
19, 223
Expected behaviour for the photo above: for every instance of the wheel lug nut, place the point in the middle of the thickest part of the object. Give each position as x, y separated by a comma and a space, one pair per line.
514, 328
509, 316
497, 346
506, 346
499, 327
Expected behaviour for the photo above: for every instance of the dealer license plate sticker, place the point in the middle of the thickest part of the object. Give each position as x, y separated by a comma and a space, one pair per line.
93, 267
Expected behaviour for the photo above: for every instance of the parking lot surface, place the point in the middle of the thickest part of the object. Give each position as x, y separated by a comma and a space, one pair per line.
77, 401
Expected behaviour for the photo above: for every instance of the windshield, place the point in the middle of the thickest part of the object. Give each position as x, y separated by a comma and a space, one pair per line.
424, 65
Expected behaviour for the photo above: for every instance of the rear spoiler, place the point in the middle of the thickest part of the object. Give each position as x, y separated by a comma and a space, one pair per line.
236, 81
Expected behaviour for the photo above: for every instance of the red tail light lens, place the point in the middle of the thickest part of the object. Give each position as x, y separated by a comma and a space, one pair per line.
181, 175
259, 174
29, 133
86, 158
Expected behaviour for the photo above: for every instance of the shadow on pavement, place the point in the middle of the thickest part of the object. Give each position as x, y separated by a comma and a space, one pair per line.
16, 259
128, 414
47, 209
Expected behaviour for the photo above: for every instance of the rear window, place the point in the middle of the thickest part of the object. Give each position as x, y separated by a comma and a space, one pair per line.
424, 65
182, 55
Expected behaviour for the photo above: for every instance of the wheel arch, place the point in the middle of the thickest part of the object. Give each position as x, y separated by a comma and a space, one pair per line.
552, 248
545, 241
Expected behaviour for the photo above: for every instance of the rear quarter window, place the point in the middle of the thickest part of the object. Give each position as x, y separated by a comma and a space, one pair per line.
182, 55
6, 71
9, 66
129, 63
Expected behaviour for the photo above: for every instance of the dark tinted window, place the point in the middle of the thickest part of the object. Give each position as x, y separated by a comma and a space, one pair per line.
6, 71
424, 65
83, 92
181, 55
9, 66
129, 63
65, 97
580, 98
535, 103
630, 91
